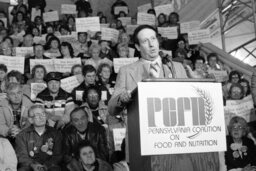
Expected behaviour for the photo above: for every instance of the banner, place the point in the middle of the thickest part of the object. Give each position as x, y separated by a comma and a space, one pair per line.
88, 24
118, 135
36, 88
68, 9
13, 63
186, 27
51, 16
165, 9
188, 118
168, 32
119, 62
109, 34
68, 84
143, 18
199, 36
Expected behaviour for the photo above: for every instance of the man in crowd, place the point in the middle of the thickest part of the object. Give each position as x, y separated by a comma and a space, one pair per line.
81, 129
58, 103
39, 146
14, 111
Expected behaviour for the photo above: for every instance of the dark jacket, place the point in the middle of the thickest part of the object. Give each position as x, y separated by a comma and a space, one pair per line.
84, 6
100, 165
33, 4
95, 134
29, 143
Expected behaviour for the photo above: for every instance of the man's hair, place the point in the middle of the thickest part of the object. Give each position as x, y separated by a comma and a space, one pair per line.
3, 67
35, 106
78, 109
87, 69
12, 86
75, 66
138, 29
15, 74
210, 55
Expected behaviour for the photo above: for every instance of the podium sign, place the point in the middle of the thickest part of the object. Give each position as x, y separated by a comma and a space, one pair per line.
181, 117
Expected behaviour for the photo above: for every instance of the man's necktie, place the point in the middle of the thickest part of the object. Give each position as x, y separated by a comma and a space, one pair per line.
154, 70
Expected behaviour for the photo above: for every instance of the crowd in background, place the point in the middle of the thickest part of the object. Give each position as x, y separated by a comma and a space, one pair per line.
60, 130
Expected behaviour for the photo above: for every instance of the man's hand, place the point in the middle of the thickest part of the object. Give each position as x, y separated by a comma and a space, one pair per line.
14, 131
125, 97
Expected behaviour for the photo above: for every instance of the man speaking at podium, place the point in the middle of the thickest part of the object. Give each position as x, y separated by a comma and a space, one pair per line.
150, 65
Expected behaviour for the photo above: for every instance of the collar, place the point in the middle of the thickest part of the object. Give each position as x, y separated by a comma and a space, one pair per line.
157, 60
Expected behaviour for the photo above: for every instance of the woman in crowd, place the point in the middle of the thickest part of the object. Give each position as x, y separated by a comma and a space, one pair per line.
236, 92
162, 22
246, 86
241, 150
123, 50
71, 23
20, 20
87, 161
66, 50
52, 47
38, 74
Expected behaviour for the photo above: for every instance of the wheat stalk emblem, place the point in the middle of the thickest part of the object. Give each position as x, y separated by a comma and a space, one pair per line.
207, 105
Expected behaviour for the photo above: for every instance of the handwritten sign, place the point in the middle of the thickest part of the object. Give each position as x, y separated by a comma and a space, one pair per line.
47, 63
88, 23
119, 9
36, 88
186, 27
13, 63
144, 8
189, 118
119, 62
35, 12
40, 39
118, 135
220, 76
130, 29
143, 18
125, 20
68, 9
65, 65
68, 38
165, 9
199, 36
241, 108
68, 84
104, 25
109, 34
51, 16
168, 32
24, 51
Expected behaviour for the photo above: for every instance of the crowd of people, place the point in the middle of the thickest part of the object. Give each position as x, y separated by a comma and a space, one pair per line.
73, 131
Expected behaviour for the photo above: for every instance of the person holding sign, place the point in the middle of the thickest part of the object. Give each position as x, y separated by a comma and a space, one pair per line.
37, 75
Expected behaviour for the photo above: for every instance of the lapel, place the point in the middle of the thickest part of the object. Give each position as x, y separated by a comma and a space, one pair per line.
138, 71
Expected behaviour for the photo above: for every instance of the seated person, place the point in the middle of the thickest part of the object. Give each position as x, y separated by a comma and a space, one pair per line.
37, 75
39, 146
3, 72
240, 149
236, 92
87, 159
81, 129
8, 159
58, 103
14, 111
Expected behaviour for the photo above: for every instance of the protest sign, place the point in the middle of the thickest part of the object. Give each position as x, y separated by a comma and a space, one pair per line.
51, 16
68, 38
69, 83
104, 25
87, 24
144, 8
68, 9
143, 18
39, 39
168, 32
65, 65
109, 34
242, 108
165, 9
119, 62
13, 63
188, 118
119, 9
36, 88
199, 36
35, 12
130, 29
24, 51
118, 135
186, 27
47, 63
125, 20
220, 76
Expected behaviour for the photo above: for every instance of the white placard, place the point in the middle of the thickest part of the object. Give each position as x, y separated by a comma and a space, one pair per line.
51, 16
165, 9
68, 9
109, 34
131, 52
119, 9
68, 84
220, 76
13, 63
104, 25
188, 118
130, 29
88, 23
186, 27
241, 108
119, 62
36, 88
65, 65
118, 135
47, 63
199, 36
24, 51
125, 20
144, 8
168, 32
143, 18
68, 38
35, 12
39, 39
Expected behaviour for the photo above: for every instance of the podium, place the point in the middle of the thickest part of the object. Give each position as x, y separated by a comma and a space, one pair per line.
170, 162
